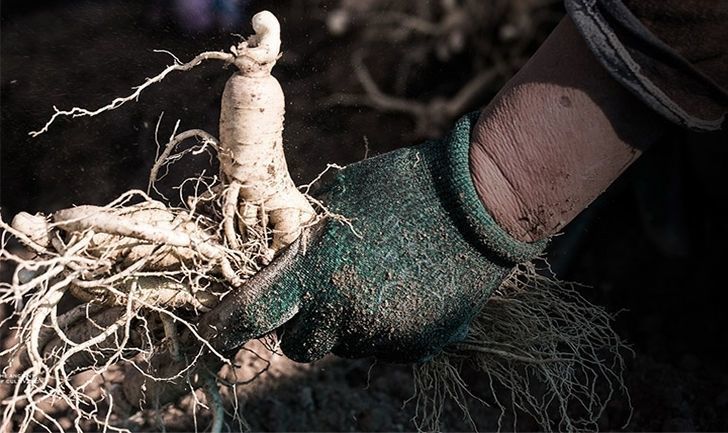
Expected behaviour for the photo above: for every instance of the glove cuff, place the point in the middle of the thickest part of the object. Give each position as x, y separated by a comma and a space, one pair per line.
458, 191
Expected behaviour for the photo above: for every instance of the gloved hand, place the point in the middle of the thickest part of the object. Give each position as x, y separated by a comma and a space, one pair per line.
427, 258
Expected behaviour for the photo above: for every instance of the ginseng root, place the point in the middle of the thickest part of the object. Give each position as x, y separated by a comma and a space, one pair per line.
251, 138
141, 269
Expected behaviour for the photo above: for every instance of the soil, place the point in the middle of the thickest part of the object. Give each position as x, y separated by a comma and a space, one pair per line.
651, 248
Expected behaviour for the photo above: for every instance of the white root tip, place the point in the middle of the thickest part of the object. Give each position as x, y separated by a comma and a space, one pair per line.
266, 26
260, 52
35, 227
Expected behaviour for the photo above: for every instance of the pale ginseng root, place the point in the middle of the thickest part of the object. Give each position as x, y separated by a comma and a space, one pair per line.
144, 270
257, 191
255, 175
545, 351
251, 139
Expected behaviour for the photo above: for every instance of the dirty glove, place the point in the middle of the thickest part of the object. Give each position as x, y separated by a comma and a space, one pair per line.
421, 261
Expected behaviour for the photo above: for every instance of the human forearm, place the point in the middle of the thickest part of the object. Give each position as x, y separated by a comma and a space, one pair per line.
558, 134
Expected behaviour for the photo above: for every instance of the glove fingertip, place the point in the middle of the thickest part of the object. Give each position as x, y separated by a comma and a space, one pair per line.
303, 341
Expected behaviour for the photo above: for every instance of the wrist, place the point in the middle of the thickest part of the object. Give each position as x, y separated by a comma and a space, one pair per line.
449, 160
557, 135
535, 168
496, 183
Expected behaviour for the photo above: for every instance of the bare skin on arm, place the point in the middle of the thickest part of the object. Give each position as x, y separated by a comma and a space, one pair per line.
555, 137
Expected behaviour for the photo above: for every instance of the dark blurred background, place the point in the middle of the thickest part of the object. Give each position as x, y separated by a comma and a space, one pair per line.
361, 78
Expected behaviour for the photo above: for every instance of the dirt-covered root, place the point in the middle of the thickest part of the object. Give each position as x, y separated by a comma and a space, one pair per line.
545, 351
95, 339
81, 324
85, 338
186, 239
128, 243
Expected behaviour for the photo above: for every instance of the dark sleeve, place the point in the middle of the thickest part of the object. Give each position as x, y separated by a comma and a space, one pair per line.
673, 54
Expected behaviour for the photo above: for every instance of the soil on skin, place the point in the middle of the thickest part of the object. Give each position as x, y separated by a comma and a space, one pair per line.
84, 53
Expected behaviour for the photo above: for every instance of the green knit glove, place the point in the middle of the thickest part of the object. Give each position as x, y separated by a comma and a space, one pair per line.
423, 260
